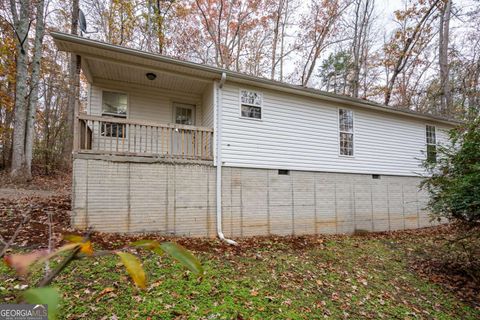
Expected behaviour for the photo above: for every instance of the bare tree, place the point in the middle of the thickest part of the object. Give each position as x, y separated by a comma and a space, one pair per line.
21, 23
276, 33
34, 82
74, 87
161, 10
362, 23
7, 91
319, 24
282, 37
444, 35
407, 49
226, 25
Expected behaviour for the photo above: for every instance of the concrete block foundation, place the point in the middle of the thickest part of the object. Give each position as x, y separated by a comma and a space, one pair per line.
179, 199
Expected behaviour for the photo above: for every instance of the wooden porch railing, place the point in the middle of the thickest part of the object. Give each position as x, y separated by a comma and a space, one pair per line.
120, 136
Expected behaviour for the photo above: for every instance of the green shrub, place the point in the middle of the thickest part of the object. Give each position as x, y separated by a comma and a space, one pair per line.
454, 179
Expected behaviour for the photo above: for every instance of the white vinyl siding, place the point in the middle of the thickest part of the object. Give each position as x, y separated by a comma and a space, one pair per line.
302, 134
207, 106
144, 103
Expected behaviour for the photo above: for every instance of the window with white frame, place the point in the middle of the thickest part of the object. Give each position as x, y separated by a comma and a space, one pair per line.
345, 124
431, 139
251, 104
114, 104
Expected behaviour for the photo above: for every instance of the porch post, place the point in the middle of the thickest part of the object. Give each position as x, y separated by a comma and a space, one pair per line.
76, 128
76, 112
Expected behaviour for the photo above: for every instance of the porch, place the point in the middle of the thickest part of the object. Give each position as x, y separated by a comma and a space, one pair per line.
141, 107
100, 135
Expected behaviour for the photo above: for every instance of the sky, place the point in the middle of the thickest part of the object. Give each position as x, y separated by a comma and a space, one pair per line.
386, 8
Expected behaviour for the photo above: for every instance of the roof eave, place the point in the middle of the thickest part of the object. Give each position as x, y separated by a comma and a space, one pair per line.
59, 38
336, 98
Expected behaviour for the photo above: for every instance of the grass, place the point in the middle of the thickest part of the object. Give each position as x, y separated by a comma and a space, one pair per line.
338, 277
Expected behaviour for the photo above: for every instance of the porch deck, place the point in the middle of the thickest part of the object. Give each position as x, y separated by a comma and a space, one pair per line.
134, 138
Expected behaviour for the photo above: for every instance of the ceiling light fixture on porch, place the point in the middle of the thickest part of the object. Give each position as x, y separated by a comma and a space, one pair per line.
151, 76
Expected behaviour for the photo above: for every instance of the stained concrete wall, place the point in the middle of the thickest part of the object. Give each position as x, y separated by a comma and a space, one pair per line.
114, 196
257, 201
179, 199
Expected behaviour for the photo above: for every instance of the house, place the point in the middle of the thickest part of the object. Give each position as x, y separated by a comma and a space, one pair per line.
181, 148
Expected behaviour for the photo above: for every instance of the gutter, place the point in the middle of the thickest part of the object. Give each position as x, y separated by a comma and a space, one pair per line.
217, 99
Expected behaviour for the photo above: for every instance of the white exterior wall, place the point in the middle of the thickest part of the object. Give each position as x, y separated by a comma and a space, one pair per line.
147, 103
207, 107
299, 133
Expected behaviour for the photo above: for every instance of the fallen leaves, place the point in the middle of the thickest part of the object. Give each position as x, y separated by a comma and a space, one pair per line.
105, 292
34, 233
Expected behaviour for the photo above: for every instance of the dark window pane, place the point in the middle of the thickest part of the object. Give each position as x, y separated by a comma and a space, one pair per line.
345, 120
346, 144
432, 153
114, 103
431, 135
251, 112
113, 130
183, 116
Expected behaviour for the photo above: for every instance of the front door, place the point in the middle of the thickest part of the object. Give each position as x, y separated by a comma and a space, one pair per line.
183, 140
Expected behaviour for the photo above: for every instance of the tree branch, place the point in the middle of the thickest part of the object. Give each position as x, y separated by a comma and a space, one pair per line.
65, 262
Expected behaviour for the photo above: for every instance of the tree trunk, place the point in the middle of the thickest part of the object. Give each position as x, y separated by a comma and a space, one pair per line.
34, 83
7, 134
356, 49
445, 95
276, 30
74, 86
363, 13
19, 169
406, 52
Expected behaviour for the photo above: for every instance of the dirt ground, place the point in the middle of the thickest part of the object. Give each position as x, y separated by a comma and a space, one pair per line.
13, 194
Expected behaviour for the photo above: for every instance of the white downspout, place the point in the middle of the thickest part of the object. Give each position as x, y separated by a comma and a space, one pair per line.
218, 101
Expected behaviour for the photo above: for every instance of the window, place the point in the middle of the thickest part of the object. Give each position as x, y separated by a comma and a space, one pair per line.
431, 139
283, 172
184, 114
114, 104
250, 104
110, 129
345, 122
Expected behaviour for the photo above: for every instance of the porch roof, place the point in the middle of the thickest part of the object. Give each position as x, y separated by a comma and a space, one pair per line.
105, 60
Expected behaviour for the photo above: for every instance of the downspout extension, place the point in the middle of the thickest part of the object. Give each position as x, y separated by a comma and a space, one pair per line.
217, 101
